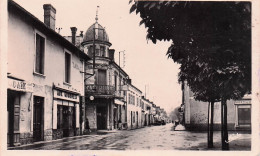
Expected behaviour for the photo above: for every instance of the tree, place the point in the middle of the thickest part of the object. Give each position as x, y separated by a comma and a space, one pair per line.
175, 114
211, 41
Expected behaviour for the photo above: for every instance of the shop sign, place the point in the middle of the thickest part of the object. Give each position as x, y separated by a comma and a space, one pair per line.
20, 85
243, 102
66, 95
124, 88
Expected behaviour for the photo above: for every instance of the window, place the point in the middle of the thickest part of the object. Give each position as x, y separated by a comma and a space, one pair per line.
115, 82
67, 67
244, 116
102, 77
129, 98
102, 51
39, 60
90, 51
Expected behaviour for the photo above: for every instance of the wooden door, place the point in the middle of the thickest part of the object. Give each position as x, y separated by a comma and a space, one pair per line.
38, 118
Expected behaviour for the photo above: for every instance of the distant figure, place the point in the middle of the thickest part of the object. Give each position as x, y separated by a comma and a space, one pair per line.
119, 124
87, 128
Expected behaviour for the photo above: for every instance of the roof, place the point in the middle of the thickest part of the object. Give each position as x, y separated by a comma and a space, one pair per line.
135, 88
119, 68
100, 36
31, 19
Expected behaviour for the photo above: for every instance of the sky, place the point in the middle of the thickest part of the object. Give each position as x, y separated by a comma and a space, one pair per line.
146, 63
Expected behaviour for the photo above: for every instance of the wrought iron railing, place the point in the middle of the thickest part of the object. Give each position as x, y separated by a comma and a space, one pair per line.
100, 89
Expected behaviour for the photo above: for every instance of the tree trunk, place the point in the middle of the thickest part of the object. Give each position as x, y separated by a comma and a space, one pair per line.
210, 126
224, 132
211, 123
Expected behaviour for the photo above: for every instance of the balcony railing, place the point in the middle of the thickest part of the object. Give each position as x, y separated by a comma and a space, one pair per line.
100, 89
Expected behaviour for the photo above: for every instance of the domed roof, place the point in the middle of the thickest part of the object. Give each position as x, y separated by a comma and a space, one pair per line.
101, 34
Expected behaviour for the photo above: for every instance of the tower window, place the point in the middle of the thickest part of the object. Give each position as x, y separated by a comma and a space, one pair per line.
102, 51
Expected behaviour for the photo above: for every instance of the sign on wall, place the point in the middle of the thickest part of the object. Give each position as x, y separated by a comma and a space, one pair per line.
20, 85
65, 95
243, 102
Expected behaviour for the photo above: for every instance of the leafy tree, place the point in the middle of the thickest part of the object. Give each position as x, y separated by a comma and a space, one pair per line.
211, 41
175, 114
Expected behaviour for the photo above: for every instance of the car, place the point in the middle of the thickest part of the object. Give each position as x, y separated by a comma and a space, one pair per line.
156, 123
163, 122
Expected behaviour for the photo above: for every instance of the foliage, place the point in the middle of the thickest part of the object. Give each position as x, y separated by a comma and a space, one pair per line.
175, 114
211, 41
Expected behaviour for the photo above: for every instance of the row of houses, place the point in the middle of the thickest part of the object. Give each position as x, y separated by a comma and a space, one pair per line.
59, 86
194, 114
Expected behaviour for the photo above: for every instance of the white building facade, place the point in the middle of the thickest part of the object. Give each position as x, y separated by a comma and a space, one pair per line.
45, 82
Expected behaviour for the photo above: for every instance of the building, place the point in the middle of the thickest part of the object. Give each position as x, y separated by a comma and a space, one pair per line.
105, 85
195, 113
147, 111
45, 80
134, 112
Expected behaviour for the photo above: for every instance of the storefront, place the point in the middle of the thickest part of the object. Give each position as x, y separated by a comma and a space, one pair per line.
65, 113
119, 110
243, 113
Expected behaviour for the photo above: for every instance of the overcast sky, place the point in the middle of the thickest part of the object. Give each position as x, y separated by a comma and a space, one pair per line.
146, 63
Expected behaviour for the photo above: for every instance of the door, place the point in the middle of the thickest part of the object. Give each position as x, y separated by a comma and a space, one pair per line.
137, 119
101, 117
13, 114
10, 113
38, 118
131, 119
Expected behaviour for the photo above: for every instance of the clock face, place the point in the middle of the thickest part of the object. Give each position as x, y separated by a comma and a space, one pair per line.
91, 98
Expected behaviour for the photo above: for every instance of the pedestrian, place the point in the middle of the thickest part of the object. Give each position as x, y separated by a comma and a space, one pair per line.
87, 128
119, 124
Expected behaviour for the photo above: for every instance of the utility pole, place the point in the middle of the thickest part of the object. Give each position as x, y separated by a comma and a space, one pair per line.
119, 72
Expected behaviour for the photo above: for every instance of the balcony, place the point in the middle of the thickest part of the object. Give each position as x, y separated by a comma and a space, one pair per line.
93, 89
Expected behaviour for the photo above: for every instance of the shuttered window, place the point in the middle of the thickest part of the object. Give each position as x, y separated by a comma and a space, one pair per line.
39, 60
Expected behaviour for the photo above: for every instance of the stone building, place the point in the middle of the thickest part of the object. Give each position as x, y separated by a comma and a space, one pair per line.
45, 80
105, 80
195, 113
134, 113
148, 117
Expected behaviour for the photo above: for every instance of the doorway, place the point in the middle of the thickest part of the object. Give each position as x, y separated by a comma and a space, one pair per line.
137, 120
13, 115
38, 118
101, 117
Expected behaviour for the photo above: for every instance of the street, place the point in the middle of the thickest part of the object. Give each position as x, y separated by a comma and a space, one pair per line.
147, 138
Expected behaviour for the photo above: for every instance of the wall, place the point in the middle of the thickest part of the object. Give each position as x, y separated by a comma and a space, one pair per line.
196, 113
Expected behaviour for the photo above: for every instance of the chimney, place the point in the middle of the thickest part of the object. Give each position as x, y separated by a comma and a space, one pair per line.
129, 81
111, 54
73, 33
49, 15
81, 33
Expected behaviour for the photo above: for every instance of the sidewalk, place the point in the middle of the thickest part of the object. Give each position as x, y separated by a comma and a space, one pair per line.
238, 140
65, 139
42, 143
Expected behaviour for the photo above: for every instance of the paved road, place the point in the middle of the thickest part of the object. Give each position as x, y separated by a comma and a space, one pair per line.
154, 138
